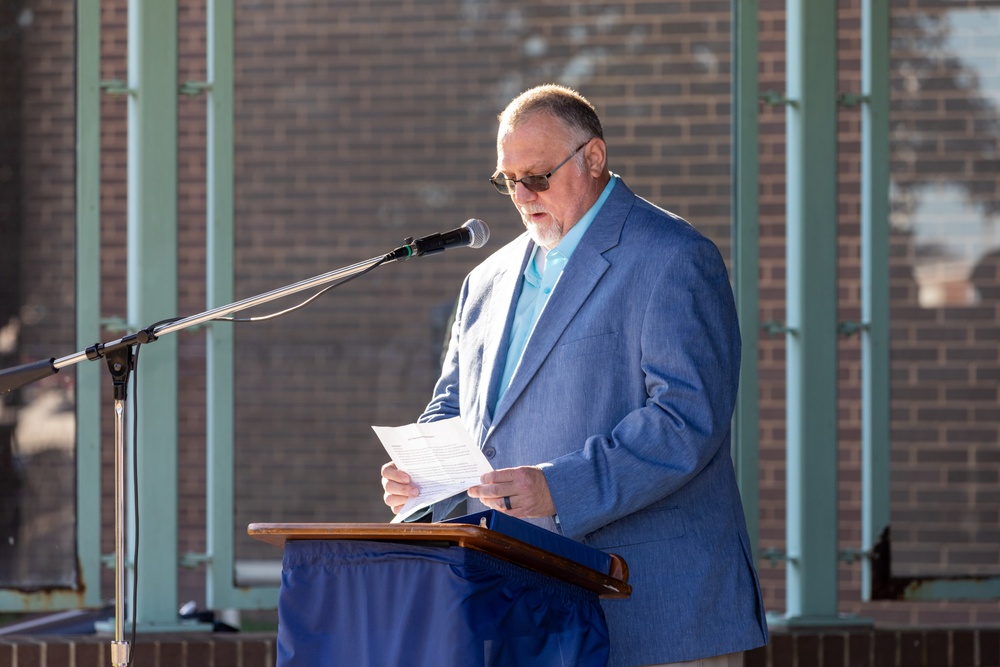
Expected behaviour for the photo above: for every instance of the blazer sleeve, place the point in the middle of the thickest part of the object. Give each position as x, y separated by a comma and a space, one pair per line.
445, 400
689, 348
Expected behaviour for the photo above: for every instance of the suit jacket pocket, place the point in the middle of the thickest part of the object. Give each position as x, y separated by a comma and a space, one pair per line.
599, 344
649, 525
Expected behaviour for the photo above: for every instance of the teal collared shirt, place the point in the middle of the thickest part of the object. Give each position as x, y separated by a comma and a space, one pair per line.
537, 286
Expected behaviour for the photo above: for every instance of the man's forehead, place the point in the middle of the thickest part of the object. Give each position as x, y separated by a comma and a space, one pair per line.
524, 157
539, 123
530, 143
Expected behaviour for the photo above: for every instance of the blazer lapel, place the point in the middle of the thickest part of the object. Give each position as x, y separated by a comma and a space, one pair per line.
506, 289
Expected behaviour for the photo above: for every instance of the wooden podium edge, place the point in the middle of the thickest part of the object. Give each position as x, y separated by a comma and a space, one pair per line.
613, 585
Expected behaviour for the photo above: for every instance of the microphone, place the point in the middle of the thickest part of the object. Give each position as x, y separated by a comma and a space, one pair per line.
474, 233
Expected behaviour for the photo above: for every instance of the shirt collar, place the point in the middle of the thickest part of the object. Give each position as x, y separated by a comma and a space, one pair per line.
571, 240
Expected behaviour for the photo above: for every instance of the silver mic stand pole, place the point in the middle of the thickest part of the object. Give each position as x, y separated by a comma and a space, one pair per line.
120, 363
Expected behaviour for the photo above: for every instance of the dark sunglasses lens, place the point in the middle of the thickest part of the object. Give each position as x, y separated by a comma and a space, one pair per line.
535, 183
506, 186
501, 184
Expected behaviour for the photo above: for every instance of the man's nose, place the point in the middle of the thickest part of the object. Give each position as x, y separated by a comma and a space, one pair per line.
523, 194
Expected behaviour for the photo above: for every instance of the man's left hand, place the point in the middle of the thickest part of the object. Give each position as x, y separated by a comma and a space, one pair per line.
524, 488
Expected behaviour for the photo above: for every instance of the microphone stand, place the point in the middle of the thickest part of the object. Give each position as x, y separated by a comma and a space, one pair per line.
120, 360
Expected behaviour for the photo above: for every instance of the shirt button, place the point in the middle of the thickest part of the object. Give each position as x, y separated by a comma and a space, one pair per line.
490, 452
548, 290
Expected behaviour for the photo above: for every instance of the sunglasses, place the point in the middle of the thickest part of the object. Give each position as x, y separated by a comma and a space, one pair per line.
505, 186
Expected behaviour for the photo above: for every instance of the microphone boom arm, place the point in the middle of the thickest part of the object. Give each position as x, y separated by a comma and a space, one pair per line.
19, 376
474, 233
119, 355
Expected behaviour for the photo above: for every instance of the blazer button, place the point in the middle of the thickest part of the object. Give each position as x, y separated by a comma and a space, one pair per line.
490, 452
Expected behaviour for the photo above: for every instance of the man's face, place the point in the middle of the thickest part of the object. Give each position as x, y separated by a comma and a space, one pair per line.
535, 147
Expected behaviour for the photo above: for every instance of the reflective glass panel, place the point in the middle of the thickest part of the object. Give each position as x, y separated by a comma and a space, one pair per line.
37, 243
946, 289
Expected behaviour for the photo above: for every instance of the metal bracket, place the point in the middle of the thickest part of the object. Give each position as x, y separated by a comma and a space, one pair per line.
775, 99
852, 555
848, 328
115, 324
192, 559
852, 99
775, 328
108, 561
116, 87
774, 555
194, 88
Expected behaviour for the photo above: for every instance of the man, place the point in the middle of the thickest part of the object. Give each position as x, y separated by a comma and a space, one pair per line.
596, 361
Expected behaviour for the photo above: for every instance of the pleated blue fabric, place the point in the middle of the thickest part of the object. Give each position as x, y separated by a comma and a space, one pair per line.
380, 604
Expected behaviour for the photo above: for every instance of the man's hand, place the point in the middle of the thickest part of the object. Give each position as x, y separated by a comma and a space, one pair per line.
398, 487
525, 488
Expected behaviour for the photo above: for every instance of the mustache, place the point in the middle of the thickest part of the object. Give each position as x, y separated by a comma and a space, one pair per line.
529, 210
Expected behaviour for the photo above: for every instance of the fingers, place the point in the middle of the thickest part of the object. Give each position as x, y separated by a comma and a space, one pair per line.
521, 492
390, 471
394, 500
397, 486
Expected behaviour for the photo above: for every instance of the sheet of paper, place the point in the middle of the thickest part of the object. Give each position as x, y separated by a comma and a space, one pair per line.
440, 456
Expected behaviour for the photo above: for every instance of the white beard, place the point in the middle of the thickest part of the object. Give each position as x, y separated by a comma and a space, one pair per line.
547, 235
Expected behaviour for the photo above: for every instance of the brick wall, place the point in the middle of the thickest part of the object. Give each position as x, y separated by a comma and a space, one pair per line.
358, 124
957, 647
205, 650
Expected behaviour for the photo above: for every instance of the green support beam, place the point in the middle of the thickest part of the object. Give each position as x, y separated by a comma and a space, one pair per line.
221, 591
875, 376
152, 296
746, 263
92, 379
811, 290
220, 288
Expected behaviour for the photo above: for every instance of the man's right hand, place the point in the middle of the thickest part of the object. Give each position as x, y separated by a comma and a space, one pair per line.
398, 487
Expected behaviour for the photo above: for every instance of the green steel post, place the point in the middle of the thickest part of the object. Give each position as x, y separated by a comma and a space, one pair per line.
89, 376
874, 280
811, 355
220, 288
152, 296
745, 260
221, 591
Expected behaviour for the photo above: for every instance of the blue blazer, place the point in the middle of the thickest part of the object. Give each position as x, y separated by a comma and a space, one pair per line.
625, 394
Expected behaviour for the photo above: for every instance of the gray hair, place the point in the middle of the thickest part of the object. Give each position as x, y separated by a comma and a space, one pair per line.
567, 105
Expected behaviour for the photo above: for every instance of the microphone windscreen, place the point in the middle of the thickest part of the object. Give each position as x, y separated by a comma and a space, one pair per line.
479, 232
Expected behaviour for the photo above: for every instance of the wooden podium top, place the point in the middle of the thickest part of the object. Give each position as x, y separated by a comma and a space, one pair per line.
613, 584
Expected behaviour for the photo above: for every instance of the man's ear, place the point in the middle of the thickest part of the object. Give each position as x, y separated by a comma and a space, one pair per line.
596, 156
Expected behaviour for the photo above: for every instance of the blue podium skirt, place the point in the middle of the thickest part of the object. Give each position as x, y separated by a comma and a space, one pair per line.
379, 604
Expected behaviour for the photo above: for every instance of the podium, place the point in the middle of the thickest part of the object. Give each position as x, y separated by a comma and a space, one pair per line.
435, 595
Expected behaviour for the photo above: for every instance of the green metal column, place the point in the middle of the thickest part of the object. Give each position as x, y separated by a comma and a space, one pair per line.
152, 296
221, 591
811, 356
220, 287
746, 234
92, 383
874, 280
